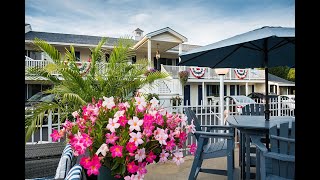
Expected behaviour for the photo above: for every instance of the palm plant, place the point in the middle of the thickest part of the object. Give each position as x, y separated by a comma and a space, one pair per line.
118, 79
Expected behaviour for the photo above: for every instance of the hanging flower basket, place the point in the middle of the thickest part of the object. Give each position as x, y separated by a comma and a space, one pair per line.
183, 76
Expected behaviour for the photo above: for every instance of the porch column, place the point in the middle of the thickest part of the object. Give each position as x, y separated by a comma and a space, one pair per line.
180, 50
278, 89
247, 89
149, 53
204, 102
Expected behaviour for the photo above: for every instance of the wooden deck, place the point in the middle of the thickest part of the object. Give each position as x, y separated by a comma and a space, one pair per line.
173, 172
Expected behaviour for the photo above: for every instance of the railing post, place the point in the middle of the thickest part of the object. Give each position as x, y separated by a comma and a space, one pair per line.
49, 126
59, 122
279, 106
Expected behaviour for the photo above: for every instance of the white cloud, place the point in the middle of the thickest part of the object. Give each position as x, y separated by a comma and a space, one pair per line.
201, 25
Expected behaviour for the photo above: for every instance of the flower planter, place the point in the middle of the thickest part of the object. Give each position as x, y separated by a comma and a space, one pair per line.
105, 174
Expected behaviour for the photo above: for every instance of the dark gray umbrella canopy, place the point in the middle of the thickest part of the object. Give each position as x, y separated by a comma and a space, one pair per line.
260, 48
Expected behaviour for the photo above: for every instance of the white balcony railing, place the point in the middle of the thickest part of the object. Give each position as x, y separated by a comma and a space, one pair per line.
252, 74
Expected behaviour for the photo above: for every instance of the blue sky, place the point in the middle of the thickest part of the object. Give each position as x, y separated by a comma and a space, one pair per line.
201, 21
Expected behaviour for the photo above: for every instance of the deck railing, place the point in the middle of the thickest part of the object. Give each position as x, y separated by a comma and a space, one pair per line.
251, 74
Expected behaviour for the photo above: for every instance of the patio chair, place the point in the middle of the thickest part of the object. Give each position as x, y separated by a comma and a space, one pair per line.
207, 150
279, 161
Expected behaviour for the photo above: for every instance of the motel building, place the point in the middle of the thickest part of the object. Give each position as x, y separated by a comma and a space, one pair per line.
162, 48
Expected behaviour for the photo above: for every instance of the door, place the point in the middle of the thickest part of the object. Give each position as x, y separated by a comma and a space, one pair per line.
199, 94
186, 95
232, 90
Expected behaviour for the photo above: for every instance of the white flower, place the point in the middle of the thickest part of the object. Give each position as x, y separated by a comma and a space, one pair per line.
135, 123
136, 138
75, 114
140, 102
103, 149
141, 154
178, 158
113, 124
108, 102
154, 102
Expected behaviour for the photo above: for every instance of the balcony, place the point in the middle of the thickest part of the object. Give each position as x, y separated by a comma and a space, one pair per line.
252, 74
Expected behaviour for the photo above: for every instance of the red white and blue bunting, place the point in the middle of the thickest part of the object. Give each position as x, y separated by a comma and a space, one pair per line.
241, 73
198, 72
82, 66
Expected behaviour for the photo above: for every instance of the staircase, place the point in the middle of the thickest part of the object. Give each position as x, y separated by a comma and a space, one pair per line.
163, 88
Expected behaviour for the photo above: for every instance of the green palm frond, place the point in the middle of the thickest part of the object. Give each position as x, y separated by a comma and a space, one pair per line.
53, 53
36, 118
36, 71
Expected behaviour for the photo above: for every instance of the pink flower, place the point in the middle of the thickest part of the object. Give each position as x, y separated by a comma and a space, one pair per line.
136, 138
135, 124
123, 106
142, 168
140, 102
131, 147
113, 124
55, 135
159, 119
178, 158
170, 145
86, 140
111, 138
140, 154
191, 128
85, 162
116, 151
193, 148
154, 102
94, 166
67, 125
150, 157
123, 121
163, 156
132, 167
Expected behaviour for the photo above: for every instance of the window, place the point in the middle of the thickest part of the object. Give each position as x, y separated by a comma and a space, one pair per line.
77, 54
107, 55
213, 90
36, 55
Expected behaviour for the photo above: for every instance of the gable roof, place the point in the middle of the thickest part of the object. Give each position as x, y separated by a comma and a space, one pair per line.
167, 29
280, 80
68, 38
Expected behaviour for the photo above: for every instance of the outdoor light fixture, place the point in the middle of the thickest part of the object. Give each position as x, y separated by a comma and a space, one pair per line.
221, 72
157, 53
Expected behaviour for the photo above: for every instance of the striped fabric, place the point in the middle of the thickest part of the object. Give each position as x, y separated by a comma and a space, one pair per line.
74, 173
65, 162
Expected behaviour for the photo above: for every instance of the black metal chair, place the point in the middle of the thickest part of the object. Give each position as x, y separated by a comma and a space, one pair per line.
207, 150
279, 161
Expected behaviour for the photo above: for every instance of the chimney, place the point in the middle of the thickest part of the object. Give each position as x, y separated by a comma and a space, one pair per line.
27, 28
138, 34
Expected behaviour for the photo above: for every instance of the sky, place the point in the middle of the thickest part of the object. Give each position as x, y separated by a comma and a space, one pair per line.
201, 21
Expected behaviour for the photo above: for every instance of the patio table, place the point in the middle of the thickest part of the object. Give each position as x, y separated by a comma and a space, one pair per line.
253, 125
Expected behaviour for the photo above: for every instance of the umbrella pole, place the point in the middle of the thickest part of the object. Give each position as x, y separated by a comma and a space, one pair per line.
266, 77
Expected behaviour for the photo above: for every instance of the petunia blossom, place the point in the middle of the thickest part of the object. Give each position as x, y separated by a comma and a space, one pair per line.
108, 102
94, 166
132, 167
163, 156
55, 135
103, 149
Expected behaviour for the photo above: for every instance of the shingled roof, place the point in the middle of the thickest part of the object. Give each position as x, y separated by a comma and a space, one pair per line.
68, 38
279, 79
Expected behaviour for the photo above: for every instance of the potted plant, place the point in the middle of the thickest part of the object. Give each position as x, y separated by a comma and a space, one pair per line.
176, 101
122, 137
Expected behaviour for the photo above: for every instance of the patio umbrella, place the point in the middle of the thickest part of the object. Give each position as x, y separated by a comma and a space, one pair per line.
260, 48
